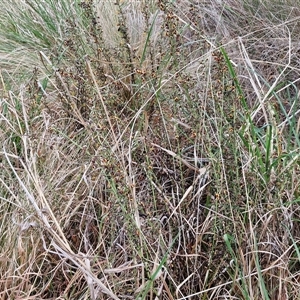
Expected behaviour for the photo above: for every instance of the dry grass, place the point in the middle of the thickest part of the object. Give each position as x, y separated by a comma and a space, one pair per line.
150, 150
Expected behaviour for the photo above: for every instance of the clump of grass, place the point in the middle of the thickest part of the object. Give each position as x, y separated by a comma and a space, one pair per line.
149, 150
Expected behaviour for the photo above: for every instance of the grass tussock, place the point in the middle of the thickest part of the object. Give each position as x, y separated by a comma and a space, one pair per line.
149, 149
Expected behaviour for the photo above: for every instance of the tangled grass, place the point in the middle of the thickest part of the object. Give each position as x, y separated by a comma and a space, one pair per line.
149, 149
